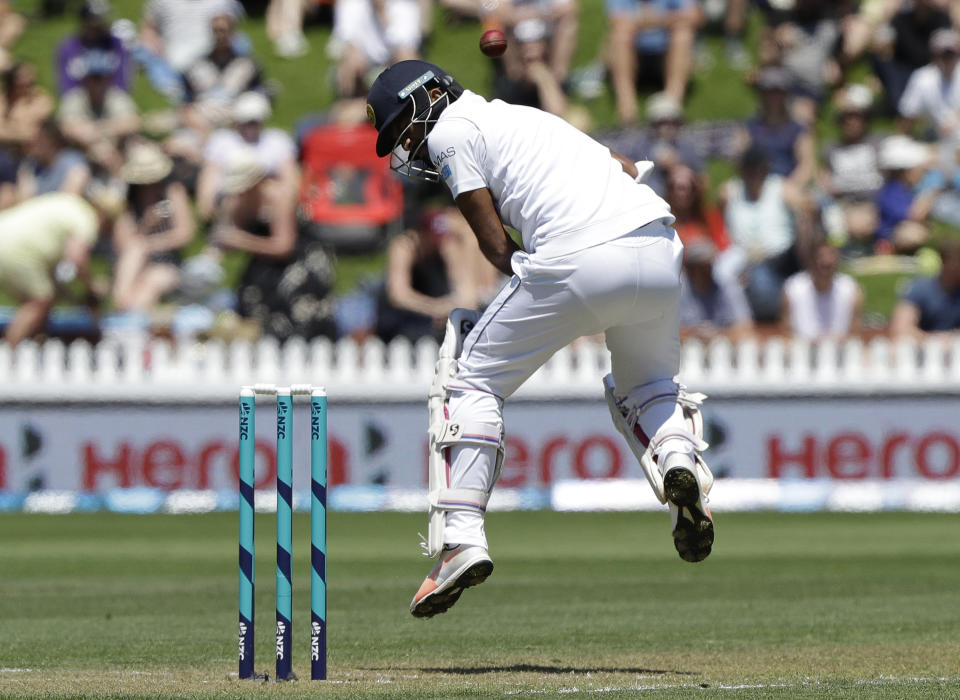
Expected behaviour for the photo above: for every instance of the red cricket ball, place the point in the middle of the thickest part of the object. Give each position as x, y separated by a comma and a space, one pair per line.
493, 43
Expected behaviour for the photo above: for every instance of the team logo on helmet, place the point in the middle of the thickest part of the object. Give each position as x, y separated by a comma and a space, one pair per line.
371, 115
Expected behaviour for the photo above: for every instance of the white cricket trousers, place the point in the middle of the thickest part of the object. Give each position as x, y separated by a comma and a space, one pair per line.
628, 288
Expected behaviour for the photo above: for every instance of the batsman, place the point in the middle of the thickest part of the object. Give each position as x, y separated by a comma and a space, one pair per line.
598, 255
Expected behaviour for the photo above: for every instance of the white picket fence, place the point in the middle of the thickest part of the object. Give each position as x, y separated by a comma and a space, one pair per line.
134, 369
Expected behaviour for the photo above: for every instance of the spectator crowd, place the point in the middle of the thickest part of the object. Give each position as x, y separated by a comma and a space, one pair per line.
203, 219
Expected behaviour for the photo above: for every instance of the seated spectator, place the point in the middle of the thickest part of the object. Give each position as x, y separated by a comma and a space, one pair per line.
287, 282
174, 35
851, 175
431, 270
903, 211
11, 27
368, 34
910, 29
24, 106
821, 302
214, 82
93, 37
98, 117
149, 236
274, 148
542, 37
667, 144
933, 92
806, 36
44, 243
932, 305
650, 42
695, 218
788, 146
710, 305
761, 210
49, 166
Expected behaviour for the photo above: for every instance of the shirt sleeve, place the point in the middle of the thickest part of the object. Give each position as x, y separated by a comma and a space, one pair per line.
911, 101
458, 151
917, 293
84, 223
72, 107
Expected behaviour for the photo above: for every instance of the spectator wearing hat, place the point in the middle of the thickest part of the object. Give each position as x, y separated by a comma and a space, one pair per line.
149, 236
46, 242
49, 166
903, 211
821, 302
667, 143
214, 82
932, 304
650, 42
710, 305
851, 175
909, 48
93, 36
174, 35
99, 117
274, 148
788, 145
369, 34
933, 92
287, 282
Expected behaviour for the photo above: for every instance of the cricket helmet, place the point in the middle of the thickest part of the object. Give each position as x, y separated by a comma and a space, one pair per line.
402, 92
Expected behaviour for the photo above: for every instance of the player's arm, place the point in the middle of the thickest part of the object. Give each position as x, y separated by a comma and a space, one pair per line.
478, 209
628, 166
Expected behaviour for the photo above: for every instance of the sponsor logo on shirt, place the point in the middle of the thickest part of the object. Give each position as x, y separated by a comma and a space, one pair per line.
445, 153
445, 172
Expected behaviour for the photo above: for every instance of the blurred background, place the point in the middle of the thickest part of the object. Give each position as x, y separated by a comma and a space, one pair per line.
189, 201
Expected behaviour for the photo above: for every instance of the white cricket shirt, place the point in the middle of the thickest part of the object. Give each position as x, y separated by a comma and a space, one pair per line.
558, 187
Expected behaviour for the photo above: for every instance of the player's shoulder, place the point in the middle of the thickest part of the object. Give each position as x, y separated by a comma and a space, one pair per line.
457, 123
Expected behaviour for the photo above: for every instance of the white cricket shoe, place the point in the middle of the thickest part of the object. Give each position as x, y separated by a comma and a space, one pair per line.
689, 515
458, 568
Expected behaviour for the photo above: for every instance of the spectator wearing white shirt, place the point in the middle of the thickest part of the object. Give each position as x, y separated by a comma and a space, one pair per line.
215, 81
933, 91
368, 34
174, 35
274, 149
851, 175
761, 211
820, 302
99, 117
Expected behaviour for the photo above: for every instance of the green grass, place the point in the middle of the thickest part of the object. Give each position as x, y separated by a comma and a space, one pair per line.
788, 606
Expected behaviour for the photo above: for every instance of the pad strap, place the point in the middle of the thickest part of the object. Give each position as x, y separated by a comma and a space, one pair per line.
473, 500
484, 434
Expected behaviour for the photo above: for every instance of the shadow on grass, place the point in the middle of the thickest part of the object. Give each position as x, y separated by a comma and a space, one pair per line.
539, 668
